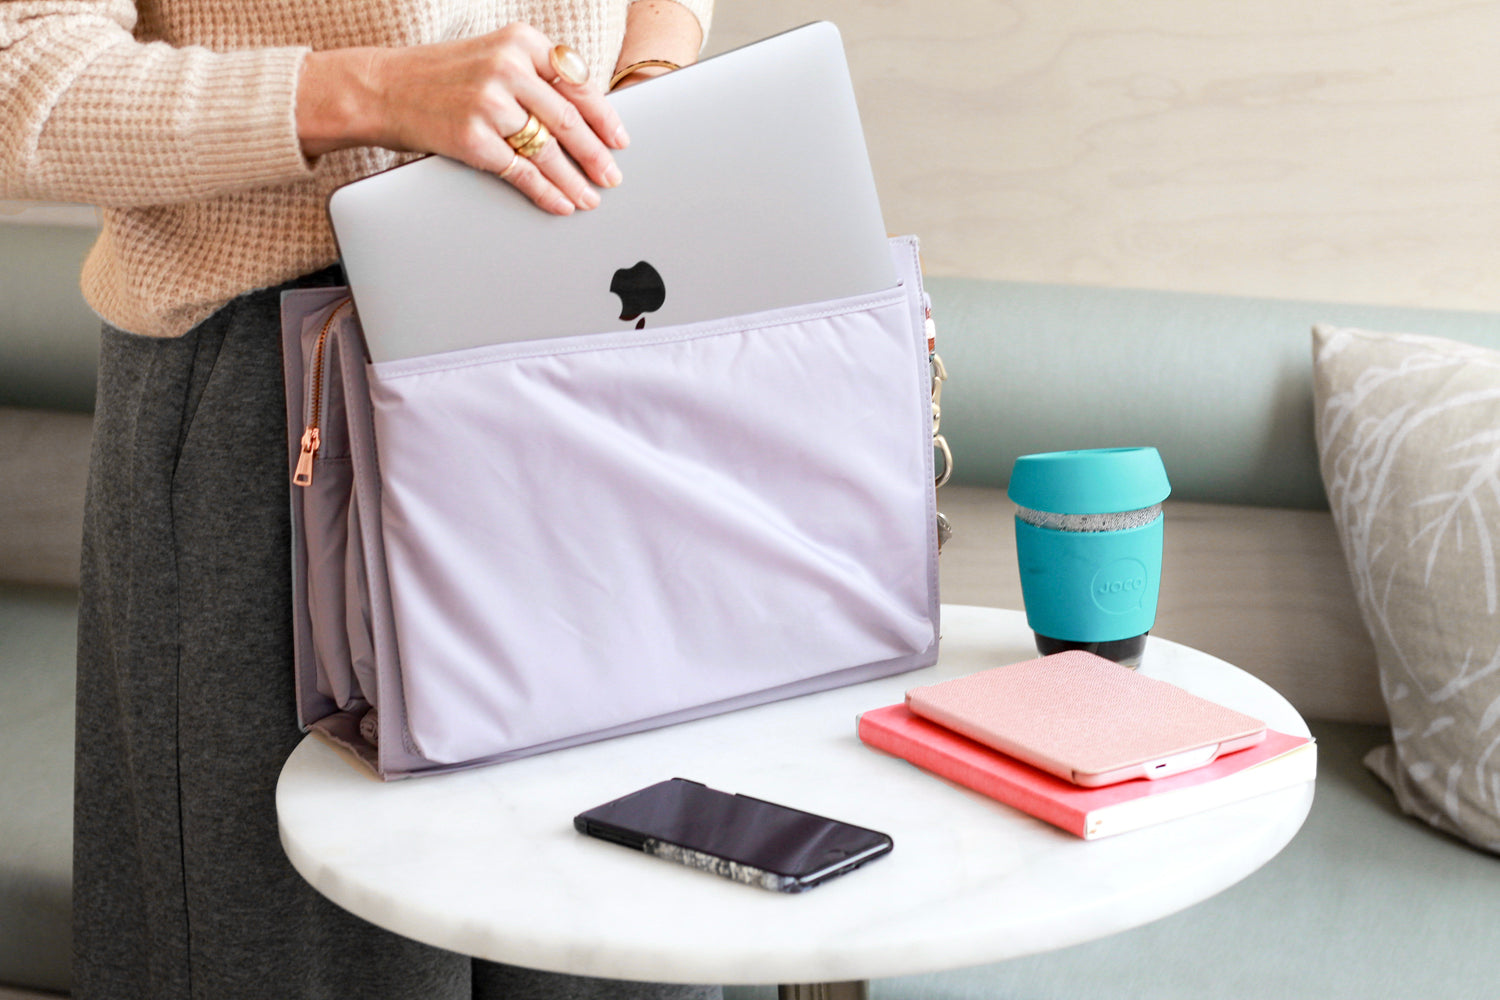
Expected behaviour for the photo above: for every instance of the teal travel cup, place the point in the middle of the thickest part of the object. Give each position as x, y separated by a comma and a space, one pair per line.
1088, 543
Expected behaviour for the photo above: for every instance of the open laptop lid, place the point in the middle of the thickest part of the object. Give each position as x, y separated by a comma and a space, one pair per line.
747, 187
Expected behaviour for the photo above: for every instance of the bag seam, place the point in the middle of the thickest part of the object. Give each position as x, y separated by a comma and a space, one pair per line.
894, 296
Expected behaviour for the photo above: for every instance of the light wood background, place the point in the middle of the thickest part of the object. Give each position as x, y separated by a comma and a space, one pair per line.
1342, 150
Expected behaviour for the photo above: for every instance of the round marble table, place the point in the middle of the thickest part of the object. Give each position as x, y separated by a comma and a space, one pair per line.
486, 862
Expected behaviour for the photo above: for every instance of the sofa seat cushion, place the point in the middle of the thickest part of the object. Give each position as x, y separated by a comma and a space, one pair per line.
37, 653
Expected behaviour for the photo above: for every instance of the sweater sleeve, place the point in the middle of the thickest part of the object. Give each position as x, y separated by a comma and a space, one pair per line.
93, 115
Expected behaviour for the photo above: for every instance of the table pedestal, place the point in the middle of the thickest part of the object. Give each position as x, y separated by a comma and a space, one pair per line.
859, 990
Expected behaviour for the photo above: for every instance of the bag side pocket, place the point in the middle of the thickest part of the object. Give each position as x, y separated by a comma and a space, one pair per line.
326, 477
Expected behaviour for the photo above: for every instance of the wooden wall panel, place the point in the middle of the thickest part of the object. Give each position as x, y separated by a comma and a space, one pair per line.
1340, 149
1344, 150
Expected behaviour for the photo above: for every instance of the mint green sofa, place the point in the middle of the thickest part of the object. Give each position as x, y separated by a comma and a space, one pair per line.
1364, 902
48, 342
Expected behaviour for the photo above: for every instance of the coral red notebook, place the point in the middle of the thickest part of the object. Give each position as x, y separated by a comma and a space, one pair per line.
1279, 761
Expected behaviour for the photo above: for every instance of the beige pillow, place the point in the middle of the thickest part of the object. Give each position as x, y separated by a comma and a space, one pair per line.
1409, 442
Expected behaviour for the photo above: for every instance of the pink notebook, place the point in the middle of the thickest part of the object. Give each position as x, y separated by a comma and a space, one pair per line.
1279, 761
1086, 719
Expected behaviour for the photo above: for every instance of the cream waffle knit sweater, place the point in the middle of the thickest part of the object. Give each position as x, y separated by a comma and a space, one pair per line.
177, 118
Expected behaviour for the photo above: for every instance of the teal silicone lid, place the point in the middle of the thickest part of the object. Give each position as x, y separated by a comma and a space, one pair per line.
1095, 481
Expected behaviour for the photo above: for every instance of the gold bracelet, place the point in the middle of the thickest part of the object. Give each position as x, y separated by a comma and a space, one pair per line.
614, 81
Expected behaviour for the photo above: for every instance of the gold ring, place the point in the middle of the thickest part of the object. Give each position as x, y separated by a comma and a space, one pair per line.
530, 139
568, 65
515, 161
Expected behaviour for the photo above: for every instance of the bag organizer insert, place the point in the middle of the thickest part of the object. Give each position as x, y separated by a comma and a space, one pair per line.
510, 549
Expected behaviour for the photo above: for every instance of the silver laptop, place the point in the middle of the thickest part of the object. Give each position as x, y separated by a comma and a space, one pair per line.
747, 187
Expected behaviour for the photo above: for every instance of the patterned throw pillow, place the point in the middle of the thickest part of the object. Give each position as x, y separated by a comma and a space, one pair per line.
1409, 442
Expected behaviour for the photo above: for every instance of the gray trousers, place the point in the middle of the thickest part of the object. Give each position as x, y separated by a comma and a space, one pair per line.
185, 707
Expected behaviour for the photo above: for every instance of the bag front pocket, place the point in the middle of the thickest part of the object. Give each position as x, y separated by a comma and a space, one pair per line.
588, 533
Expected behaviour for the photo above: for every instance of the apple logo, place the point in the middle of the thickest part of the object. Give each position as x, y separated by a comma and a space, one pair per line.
640, 289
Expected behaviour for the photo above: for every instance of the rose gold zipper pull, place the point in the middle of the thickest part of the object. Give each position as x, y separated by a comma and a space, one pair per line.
311, 438
310, 441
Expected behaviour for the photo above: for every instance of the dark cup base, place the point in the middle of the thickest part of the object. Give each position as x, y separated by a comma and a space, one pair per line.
1126, 652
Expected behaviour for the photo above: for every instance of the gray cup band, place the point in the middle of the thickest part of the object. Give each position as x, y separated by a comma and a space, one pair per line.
1115, 521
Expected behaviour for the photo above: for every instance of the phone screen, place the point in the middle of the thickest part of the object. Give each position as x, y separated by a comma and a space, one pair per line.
736, 836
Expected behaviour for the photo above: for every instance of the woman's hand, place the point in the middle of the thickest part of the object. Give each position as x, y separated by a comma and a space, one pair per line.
462, 99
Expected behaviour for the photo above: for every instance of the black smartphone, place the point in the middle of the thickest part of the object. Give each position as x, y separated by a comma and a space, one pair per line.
736, 836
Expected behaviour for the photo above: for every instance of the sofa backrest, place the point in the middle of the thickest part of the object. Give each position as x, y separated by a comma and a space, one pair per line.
1221, 385
49, 338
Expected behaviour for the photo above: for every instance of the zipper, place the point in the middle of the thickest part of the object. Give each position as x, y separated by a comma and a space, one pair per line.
312, 437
